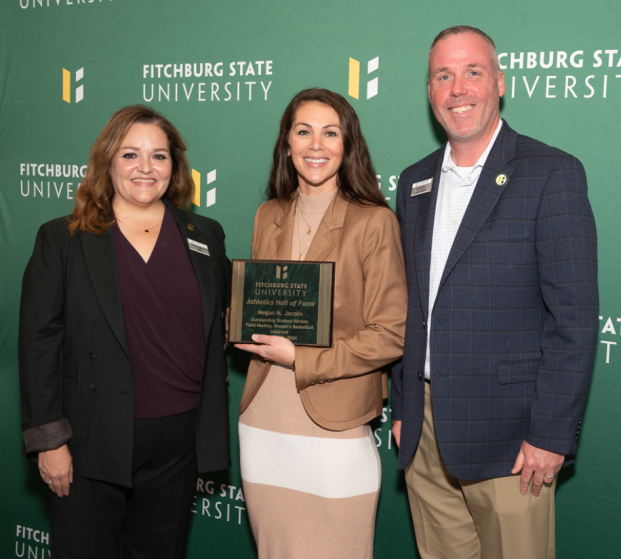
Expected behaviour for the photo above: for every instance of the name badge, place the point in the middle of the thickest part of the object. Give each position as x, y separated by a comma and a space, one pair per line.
198, 247
421, 187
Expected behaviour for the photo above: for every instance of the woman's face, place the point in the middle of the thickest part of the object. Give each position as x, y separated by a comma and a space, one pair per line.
141, 169
316, 147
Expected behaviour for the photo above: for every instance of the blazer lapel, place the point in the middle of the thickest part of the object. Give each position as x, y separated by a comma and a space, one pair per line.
485, 196
100, 257
424, 230
326, 236
202, 264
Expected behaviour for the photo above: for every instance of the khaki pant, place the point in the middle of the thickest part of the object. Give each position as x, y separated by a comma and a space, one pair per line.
486, 519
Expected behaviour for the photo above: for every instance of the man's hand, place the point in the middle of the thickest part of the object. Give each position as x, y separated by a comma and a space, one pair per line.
541, 465
272, 348
396, 432
57, 466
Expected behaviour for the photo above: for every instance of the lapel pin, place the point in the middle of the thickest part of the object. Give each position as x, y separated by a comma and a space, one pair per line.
191, 227
502, 179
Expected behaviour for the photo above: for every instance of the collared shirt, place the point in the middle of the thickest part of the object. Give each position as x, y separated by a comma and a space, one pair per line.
454, 193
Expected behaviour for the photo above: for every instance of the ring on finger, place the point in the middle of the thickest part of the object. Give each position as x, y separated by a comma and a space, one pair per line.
49, 482
549, 477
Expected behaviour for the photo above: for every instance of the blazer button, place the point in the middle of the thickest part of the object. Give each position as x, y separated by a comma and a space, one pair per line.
93, 387
424, 324
420, 375
91, 354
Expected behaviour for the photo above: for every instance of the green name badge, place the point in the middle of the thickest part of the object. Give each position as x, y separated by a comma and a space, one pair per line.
282, 298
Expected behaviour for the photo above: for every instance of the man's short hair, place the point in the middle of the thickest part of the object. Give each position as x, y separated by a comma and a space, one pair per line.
459, 30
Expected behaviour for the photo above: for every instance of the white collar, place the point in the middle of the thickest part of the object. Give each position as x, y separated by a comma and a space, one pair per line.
448, 163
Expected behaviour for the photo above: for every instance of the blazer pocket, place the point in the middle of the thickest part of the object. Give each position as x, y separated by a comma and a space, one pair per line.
524, 370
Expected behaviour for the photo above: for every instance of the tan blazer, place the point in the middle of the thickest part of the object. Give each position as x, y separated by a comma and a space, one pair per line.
343, 387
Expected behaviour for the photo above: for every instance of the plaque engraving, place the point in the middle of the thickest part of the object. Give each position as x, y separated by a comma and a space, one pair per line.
285, 298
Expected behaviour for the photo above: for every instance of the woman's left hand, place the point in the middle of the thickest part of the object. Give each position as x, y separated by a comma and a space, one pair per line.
272, 348
56, 468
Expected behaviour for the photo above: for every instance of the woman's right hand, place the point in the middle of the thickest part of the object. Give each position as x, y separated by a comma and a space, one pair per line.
271, 348
56, 466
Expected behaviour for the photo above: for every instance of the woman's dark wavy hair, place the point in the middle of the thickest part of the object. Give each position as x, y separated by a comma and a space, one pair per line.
356, 178
93, 204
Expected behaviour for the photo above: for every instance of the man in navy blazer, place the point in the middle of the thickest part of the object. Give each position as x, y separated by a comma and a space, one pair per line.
501, 255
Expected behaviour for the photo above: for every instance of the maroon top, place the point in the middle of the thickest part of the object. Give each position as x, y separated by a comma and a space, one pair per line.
164, 323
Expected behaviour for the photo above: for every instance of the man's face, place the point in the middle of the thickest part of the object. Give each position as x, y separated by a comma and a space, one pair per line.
464, 90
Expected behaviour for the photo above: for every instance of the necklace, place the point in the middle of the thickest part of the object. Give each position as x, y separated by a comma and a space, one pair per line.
297, 207
145, 230
308, 232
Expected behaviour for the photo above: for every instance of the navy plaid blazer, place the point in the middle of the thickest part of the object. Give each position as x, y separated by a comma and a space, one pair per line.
514, 325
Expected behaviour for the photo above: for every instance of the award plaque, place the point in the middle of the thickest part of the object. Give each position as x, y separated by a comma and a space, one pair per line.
282, 298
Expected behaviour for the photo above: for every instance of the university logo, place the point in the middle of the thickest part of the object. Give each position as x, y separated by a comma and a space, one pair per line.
215, 81
501, 179
46, 180
225, 508
559, 74
281, 272
354, 78
210, 198
24, 4
30, 542
79, 91
609, 329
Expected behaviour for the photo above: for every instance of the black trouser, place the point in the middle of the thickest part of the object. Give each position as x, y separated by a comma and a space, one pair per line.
101, 520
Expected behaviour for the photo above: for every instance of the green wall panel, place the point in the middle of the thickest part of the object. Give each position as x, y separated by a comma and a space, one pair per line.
283, 46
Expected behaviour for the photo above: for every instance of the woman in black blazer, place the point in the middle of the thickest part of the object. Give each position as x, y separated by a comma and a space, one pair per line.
122, 369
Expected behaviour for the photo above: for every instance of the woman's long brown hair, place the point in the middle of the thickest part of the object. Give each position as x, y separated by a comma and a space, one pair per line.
356, 178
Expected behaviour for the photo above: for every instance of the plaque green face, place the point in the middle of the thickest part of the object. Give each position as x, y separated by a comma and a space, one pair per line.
282, 298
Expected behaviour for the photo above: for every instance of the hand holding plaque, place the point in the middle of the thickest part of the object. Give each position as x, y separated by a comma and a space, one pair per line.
282, 298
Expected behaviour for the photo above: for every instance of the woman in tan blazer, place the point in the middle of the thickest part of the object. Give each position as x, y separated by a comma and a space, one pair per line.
310, 466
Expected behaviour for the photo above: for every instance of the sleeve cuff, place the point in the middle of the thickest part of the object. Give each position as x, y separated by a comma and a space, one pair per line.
47, 437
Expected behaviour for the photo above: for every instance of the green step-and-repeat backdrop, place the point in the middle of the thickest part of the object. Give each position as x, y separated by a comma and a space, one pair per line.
223, 71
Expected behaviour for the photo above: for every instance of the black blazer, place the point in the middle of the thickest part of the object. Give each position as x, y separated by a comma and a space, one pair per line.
74, 360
